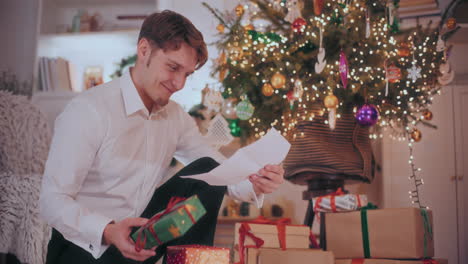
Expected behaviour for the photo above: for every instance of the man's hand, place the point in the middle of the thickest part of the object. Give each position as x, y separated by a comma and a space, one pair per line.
268, 179
118, 234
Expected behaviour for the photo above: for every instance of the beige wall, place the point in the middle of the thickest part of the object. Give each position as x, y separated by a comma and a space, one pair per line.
19, 27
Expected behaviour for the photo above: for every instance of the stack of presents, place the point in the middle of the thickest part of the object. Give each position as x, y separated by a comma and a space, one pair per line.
352, 231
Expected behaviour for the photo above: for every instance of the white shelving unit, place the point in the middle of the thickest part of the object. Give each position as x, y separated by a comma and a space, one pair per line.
103, 49
116, 39
57, 15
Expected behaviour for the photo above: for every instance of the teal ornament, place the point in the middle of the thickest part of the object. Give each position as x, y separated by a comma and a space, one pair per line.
234, 127
245, 110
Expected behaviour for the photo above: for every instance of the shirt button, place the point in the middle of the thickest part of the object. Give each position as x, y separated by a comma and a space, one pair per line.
91, 247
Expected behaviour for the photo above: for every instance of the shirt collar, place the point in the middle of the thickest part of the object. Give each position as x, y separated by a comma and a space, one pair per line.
132, 99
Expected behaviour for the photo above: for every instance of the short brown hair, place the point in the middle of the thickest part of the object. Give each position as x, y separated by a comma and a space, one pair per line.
167, 30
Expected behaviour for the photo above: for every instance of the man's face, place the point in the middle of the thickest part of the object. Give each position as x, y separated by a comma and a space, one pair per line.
165, 72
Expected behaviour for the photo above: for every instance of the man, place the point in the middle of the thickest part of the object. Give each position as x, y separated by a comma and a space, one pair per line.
113, 144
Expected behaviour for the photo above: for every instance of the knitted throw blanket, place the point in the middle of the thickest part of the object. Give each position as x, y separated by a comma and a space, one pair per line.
24, 135
24, 145
23, 233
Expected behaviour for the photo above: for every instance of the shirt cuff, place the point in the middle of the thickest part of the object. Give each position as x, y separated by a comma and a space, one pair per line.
93, 229
244, 191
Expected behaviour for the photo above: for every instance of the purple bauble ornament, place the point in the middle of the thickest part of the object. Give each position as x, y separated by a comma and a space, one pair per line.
367, 115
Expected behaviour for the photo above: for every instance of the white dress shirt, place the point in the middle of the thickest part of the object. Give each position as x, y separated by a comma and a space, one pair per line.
109, 154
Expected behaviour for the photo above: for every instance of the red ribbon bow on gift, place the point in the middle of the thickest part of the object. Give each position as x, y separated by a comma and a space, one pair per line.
245, 230
332, 200
281, 224
141, 239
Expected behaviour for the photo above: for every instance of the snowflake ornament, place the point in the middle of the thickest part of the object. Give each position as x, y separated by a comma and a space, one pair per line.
414, 73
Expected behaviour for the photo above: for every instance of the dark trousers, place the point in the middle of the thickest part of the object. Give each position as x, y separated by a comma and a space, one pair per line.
62, 251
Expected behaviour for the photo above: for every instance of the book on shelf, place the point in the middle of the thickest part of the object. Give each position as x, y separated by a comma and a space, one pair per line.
57, 74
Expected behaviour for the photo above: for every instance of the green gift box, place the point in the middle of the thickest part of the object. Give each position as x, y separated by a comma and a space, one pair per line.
179, 216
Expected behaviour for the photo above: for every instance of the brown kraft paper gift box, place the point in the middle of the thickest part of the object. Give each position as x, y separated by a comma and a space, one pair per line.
293, 256
391, 261
296, 237
393, 233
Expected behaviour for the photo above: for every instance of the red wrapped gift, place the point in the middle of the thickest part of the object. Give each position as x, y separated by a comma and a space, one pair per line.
197, 254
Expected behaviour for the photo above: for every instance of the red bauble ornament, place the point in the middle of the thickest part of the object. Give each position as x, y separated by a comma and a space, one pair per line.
298, 26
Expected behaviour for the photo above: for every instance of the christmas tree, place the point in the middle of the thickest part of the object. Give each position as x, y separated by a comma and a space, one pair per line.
285, 61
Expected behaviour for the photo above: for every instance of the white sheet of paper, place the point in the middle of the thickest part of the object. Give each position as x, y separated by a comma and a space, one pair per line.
270, 149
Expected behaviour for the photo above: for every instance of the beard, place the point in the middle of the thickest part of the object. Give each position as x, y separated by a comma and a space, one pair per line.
161, 102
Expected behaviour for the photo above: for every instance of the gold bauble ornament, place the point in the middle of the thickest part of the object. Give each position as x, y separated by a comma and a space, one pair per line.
239, 10
267, 89
416, 135
451, 23
220, 28
278, 80
236, 53
330, 101
249, 27
403, 50
427, 115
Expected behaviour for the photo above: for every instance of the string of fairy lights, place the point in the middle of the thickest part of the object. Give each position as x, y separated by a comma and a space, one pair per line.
286, 69
418, 181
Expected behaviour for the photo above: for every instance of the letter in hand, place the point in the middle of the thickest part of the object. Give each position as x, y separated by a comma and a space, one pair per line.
118, 234
268, 179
